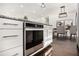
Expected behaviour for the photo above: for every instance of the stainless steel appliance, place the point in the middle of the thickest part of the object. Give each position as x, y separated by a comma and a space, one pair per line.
33, 37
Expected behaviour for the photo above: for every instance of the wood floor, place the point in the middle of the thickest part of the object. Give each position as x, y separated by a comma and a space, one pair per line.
64, 48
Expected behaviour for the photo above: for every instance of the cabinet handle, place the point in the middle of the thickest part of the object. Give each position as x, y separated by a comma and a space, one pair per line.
9, 24
10, 36
15, 54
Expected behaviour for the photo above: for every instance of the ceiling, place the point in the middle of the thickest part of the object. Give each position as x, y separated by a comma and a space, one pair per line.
33, 10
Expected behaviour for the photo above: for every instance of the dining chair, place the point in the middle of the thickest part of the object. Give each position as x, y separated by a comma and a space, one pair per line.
73, 31
61, 30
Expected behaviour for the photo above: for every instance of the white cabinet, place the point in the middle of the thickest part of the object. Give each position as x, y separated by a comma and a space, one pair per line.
47, 35
51, 20
48, 52
7, 23
11, 36
10, 39
18, 51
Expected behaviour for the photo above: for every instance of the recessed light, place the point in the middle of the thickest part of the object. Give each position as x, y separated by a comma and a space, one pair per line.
21, 6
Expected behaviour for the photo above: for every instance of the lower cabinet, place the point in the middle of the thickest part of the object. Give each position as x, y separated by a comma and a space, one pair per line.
47, 35
48, 52
10, 39
45, 52
18, 51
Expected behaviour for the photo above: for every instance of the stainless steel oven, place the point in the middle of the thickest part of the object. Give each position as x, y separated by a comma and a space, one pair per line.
33, 37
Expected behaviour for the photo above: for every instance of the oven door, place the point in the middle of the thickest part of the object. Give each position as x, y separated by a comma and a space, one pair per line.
34, 40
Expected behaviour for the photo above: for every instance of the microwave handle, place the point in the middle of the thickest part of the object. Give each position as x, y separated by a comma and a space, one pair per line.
10, 36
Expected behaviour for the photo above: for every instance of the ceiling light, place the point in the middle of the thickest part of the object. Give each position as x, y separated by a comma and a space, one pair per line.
21, 6
62, 13
43, 5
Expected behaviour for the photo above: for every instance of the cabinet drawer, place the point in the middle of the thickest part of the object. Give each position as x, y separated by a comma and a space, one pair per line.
50, 34
45, 33
47, 27
18, 51
10, 39
46, 43
7, 23
49, 51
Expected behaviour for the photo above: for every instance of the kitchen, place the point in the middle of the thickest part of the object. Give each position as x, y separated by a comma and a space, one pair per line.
39, 29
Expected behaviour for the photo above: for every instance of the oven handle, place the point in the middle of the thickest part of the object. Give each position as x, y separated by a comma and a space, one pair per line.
10, 36
26, 29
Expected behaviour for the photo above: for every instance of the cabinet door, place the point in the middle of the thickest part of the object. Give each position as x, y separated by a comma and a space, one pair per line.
18, 51
50, 34
47, 35
10, 39
48, 52
7, 23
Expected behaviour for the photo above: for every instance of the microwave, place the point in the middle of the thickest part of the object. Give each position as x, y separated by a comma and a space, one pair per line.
33, 37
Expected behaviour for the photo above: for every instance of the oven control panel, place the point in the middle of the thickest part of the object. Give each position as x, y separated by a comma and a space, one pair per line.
33, 25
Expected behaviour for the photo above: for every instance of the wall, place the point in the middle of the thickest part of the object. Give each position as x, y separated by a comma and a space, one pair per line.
32, 10
77, 23
35, 13
19, 10
71, 10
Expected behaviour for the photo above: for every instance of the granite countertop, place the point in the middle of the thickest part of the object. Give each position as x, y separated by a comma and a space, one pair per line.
23, 20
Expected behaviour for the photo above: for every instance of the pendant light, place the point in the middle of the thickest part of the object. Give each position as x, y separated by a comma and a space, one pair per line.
62, 13
43, 5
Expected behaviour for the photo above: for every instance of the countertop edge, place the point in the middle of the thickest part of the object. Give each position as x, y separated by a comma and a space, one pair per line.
23, 20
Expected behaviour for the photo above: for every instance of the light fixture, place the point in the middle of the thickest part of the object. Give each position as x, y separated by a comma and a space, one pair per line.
43, 5
21, 6
63, 13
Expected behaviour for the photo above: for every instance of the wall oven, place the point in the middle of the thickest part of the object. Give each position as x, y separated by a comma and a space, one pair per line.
33, 37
